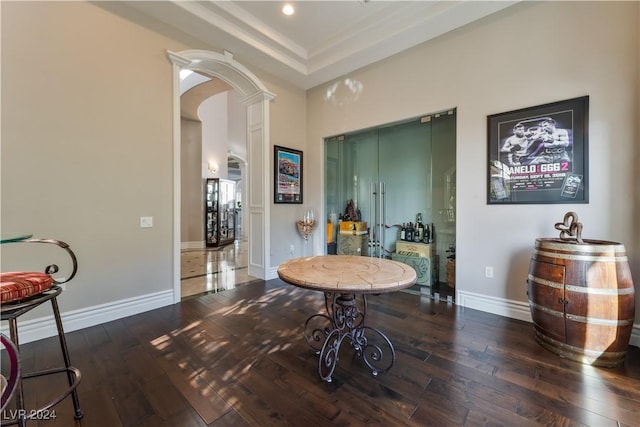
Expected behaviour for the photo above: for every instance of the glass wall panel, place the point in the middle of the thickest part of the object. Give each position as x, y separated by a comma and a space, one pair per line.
443, 191
405, 170
415, 160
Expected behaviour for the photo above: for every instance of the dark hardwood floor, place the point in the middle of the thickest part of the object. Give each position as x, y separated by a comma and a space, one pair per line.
238, 358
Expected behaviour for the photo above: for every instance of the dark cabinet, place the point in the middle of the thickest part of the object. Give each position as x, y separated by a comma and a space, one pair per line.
219, 215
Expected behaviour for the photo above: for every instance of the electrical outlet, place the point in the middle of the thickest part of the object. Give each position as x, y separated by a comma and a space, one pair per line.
146, 221
291, 249
488, 272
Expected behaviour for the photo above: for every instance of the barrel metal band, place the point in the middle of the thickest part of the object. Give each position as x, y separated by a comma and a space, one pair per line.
600, 291
593, 258
579, 350
564, 246
547, 310
580, 289
545, 282
583, 319
596, 321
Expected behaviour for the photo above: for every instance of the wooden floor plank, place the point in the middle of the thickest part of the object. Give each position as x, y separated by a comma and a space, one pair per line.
239, 358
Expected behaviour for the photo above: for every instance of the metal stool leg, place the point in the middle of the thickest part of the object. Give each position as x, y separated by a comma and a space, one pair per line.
67, 360
21, 413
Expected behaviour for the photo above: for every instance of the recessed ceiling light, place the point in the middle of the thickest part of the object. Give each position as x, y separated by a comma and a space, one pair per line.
288, 9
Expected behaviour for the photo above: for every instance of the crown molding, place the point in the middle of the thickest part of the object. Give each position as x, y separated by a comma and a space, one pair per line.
384, 29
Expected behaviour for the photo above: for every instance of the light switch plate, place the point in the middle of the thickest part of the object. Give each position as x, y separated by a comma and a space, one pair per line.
146, 221
488, 272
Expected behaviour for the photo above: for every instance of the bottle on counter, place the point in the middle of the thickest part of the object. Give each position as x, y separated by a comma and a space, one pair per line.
427, 235
420, 228
409, 233
403, 232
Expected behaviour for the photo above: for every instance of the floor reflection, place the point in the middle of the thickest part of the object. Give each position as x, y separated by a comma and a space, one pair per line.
214, 269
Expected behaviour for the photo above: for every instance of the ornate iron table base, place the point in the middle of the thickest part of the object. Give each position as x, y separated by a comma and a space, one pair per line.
345, 318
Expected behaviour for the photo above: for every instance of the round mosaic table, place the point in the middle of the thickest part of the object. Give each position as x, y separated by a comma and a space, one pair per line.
345, 281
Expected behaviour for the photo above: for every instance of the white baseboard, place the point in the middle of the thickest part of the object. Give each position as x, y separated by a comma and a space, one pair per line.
272, 273
635, 335
45, 327
514, 309
192, 245
500, 306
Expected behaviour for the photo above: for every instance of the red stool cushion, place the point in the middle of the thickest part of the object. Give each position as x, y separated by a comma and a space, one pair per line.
16, 286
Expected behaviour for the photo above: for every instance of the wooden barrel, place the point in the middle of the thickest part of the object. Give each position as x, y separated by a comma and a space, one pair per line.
582, 299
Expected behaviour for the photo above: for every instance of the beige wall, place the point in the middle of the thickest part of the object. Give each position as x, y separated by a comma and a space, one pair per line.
288, 128
191, 184
87, 144
502, 63
213, 113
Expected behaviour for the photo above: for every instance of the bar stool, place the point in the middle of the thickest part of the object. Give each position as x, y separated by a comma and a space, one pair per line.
21, 292
10, 381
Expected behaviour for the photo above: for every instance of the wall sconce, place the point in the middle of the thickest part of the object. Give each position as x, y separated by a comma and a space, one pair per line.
213, 167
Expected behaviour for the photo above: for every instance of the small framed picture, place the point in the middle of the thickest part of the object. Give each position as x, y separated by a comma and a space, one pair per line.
287, 187
539, 154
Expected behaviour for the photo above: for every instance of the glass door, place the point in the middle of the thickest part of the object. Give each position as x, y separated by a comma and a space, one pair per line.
386, 172
393, 173
405, 174
351, 167
443, 191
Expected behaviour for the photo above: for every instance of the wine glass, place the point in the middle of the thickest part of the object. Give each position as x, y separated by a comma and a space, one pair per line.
306, 225
308, 216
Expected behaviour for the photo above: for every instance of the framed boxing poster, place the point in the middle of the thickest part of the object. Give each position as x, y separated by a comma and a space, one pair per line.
539, 154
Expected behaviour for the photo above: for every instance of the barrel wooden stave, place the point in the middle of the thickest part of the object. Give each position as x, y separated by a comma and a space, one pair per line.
582, 300
546, 299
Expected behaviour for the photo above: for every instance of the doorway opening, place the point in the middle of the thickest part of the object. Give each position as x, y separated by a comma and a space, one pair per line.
220, 262
397, 177
255, 97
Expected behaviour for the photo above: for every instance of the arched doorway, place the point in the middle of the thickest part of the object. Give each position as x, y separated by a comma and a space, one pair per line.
256, 98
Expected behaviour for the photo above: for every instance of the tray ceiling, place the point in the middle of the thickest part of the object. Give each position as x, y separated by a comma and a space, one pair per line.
323, 40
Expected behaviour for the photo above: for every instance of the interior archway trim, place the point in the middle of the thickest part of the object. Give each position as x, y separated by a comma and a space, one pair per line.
256, 97
225, 68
